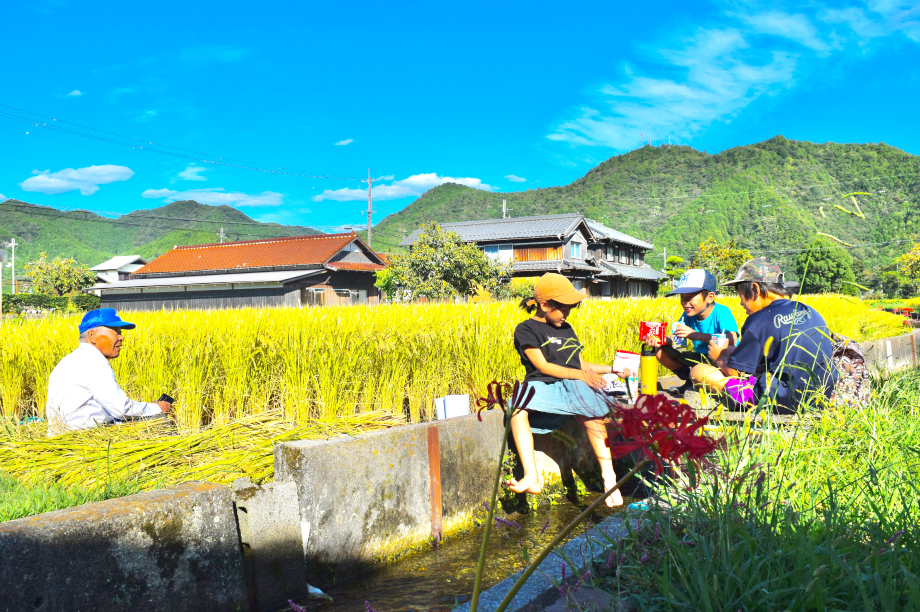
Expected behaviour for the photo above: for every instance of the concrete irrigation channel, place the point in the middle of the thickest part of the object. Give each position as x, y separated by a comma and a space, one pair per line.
337, 516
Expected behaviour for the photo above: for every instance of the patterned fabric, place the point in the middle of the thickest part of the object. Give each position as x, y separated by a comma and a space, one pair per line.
760, 270
854, 386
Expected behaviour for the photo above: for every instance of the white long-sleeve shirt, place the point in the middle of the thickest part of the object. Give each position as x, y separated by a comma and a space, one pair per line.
83, 393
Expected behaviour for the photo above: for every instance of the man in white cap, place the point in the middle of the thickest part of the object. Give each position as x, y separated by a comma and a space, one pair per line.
702, 321
82, 390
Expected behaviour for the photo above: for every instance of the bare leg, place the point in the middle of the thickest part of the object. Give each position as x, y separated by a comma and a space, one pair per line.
711, 378
667, 362
523, 439
597, 434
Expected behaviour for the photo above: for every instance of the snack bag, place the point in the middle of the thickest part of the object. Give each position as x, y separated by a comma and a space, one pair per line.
648, 329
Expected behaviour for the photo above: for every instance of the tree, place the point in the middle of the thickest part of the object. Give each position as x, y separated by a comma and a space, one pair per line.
829, 269
723, 260
909, 264
673, 269
440, 265
59, 276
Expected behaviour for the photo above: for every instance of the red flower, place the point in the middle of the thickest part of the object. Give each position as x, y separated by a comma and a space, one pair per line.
672, 428
521, 394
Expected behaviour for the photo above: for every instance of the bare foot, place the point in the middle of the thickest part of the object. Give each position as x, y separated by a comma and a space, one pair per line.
615, 498
526, 485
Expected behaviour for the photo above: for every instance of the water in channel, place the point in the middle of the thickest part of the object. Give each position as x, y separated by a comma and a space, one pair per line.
433, 580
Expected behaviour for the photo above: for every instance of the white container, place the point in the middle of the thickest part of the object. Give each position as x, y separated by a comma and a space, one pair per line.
451, 406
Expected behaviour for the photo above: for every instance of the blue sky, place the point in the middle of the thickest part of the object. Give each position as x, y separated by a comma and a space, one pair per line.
295, 101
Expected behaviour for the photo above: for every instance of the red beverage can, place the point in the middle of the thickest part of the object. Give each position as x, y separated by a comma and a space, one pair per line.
652, 329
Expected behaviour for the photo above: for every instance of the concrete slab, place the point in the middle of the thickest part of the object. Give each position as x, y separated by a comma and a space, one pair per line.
272, 541
174, 549
539, 590
366, 499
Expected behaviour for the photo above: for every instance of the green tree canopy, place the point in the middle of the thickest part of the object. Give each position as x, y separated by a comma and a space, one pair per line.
830, 269
58, 276
722, 259
440, 265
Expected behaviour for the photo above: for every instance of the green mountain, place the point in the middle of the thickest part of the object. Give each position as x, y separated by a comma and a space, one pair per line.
770, 196
92, 239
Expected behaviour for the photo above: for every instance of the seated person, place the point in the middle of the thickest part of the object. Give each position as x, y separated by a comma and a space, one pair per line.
82, 390
796, 340
565, 385
702, 319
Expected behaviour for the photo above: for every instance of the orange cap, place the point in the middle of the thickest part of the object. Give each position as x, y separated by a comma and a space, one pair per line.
552, 286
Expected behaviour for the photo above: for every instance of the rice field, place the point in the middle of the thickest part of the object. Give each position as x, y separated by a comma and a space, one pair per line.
301, 365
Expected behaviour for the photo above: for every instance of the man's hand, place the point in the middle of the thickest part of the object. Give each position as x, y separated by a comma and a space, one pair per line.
595, 381
682, 331
624, 374
166, 407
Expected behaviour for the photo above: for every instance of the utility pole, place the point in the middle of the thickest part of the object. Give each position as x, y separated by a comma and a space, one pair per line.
15, 284
505, 209
370, 206
222, 235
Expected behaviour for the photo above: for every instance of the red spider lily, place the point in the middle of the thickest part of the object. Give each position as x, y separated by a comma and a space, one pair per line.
672, 428
521, 394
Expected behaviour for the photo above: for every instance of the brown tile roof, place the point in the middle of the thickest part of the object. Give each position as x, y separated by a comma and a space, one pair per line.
298, 250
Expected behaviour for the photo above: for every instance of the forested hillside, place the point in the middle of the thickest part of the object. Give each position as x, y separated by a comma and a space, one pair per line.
91, 239
771, 196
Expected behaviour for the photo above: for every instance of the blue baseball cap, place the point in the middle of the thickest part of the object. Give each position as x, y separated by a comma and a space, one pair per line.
695, 280
103, 316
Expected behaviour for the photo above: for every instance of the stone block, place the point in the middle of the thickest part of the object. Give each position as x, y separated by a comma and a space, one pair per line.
272, 539
175, 549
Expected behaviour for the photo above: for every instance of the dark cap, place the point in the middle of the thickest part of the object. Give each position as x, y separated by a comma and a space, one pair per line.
760, 270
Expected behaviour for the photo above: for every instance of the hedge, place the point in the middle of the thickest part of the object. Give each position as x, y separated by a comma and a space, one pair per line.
15, 304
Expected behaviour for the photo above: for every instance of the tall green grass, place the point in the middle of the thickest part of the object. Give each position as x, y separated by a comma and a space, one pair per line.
325, 362
821, 517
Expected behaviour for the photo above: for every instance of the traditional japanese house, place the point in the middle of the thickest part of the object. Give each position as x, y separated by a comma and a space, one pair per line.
598, 260
323, 269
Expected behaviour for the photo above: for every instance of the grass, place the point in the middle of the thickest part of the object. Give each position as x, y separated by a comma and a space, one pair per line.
323, 363
22, 498
823, 517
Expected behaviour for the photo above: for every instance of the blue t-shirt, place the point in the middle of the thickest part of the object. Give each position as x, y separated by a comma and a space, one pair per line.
719, 321
801, 341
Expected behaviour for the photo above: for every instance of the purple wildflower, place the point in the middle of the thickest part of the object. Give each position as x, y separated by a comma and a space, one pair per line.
657, 531
486, 504
368, 608
516, 526
760, 479
644, 559
610, 560
894, 537
545, 525
295, 607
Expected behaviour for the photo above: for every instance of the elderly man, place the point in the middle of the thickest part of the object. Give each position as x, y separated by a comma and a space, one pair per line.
82, 390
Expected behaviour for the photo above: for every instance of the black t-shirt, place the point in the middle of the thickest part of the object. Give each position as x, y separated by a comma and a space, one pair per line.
559, 346
801, 342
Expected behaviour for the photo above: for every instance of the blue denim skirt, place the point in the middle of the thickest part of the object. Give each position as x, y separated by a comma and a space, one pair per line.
553, 404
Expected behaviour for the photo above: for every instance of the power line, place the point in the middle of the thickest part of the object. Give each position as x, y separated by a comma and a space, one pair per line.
150, 146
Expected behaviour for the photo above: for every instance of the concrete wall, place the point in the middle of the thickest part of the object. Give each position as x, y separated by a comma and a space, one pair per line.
365, 499
174, 550
893, 353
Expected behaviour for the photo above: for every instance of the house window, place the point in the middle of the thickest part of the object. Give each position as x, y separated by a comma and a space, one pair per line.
579, 285
500, 252
637, 258
613, 253
634, 288
576, 250
624, 253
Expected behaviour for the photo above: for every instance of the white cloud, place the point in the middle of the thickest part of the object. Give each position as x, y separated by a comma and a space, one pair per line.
717, 72
515, 179
217, 196
798, 28
2, 197
192, 173
342, 143
414, 185
85, 180
75, 93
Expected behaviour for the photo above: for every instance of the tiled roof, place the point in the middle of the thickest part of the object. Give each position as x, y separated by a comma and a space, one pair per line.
484, 230
553, 266
635, 272
267, 253
602, 231
348, 265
